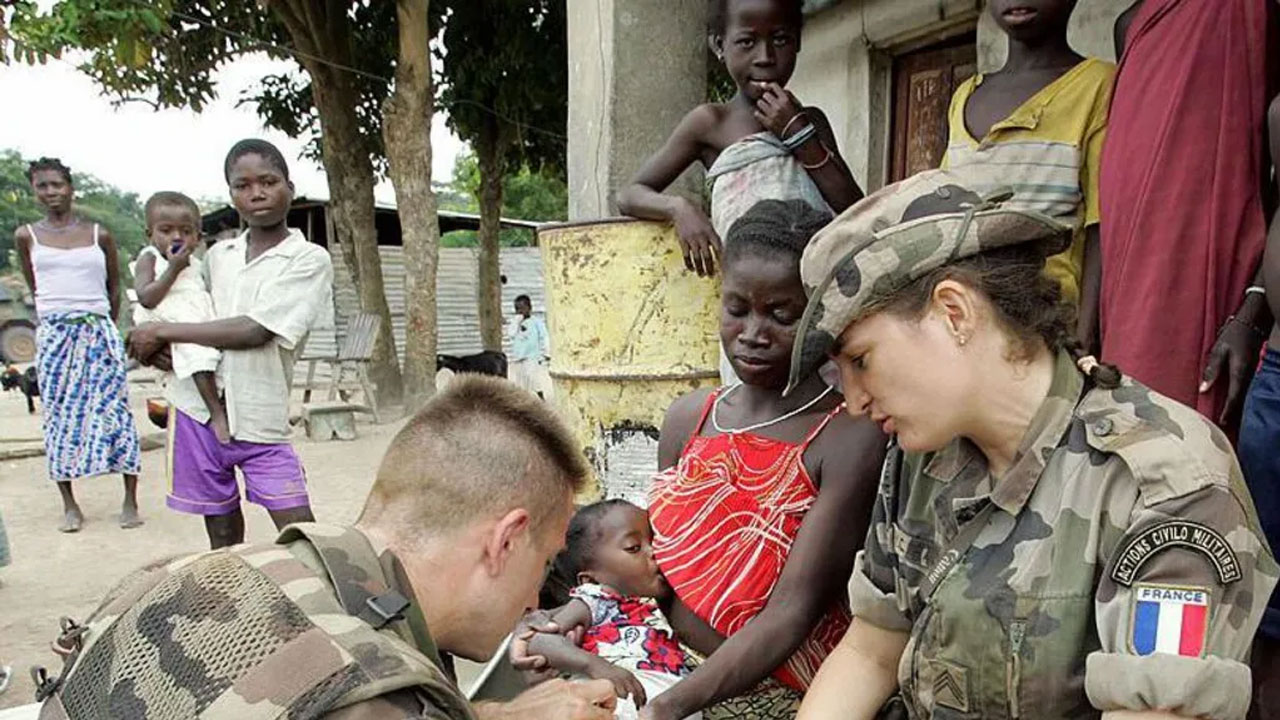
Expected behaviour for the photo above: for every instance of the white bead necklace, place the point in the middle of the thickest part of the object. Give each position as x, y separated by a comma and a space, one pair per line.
715, 410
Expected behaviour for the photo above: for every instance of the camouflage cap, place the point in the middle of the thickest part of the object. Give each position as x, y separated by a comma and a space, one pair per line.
895, 236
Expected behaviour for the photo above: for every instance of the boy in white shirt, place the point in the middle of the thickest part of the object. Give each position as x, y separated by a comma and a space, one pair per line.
270, 286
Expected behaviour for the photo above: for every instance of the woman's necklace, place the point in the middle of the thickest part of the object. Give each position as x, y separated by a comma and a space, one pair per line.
45, 225
715, 411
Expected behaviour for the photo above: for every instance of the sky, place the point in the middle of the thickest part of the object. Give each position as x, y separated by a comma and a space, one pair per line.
56, 111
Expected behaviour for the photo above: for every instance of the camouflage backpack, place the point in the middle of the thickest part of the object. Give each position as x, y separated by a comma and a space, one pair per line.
248, 632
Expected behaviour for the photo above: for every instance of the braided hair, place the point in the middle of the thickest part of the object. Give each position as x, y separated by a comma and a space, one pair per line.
254, 146
48, 163
718, 15
774, 228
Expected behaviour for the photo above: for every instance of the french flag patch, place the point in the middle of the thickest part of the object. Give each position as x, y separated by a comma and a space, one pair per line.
1170, 620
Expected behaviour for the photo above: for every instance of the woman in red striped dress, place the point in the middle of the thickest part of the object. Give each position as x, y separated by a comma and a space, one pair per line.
763, 501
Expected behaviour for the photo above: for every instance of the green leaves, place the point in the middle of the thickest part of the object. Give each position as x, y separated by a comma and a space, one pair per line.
504, 73
165, 52
119, 211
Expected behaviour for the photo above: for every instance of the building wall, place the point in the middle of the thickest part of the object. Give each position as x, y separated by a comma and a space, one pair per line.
635, 68
846, 61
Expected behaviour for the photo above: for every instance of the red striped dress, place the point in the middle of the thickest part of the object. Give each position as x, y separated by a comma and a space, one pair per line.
724, 519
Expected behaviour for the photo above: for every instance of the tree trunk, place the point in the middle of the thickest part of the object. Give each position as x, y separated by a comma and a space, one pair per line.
323, 30
489, 291
406, 129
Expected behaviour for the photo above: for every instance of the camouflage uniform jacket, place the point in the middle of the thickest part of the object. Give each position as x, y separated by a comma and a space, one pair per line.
1117, 564
260, 632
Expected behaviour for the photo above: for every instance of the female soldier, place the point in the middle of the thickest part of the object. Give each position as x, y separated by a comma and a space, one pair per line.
1050, 539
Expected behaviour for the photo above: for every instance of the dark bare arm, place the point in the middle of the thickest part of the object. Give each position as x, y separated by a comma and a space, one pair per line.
782, 114
559, 652
644, 197
834, 179
849, 453
108, 246
237, 333
568, 657
151, 289
22, 241
1235, 352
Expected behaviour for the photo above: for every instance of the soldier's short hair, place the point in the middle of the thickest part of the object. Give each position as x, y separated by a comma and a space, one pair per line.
481, 448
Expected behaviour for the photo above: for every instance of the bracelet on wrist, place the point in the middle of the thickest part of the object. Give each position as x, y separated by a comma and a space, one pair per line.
800, 137
785, 128
824, 161
1255, 290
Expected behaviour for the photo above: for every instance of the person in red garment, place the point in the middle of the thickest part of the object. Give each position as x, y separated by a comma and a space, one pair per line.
1182, 218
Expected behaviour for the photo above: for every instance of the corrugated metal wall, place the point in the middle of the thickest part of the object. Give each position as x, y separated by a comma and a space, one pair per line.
459, 320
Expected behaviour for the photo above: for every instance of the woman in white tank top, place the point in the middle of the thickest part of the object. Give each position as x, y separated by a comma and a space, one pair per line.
73, 271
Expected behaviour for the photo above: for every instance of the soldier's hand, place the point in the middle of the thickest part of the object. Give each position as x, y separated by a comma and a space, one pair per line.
556, 700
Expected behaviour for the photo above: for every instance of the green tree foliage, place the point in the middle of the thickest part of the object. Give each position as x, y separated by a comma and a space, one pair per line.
96, 201
527, 195
167, 53
504, 81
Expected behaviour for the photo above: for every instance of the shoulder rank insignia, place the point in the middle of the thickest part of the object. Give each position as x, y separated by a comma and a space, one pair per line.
1176, 533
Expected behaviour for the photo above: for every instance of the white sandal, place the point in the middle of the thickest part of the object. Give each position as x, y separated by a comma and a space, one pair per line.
6, 673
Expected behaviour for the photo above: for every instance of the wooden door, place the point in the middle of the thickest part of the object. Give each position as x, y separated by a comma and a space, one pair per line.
923, 82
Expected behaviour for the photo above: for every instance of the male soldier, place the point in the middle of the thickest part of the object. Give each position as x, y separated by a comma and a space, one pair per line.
469, 506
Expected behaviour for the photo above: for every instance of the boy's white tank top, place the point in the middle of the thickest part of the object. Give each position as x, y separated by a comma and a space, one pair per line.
70, 279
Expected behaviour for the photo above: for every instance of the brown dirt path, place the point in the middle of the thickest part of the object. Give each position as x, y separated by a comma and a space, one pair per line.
55, 574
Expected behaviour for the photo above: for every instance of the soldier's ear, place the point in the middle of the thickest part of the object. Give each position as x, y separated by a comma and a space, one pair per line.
506, 538
955, 303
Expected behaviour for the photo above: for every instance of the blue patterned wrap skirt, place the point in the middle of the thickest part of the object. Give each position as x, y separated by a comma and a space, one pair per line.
88, 427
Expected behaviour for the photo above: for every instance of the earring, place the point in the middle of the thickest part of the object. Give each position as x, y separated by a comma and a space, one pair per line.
962, 340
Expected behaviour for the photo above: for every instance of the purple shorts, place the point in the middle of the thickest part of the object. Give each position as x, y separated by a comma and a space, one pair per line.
202, 471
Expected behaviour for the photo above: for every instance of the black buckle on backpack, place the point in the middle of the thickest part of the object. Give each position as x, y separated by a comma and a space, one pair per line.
385, 608
71, 640
45, 685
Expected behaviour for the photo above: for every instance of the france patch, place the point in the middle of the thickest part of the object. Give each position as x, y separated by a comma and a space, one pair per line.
1169, 619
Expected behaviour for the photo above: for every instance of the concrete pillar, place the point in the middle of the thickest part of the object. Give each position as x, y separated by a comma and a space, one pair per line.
635, 68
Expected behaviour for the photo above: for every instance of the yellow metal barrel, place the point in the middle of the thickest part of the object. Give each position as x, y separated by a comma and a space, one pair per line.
631, 330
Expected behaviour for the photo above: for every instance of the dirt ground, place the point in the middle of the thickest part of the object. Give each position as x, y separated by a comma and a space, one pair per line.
54, 575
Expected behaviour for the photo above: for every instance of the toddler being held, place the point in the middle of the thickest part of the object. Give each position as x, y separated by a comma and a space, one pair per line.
628, 639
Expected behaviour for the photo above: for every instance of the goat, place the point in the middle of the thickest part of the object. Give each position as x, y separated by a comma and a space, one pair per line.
489, 362
27, 382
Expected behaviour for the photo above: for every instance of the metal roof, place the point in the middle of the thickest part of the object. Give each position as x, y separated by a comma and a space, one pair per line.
226, 217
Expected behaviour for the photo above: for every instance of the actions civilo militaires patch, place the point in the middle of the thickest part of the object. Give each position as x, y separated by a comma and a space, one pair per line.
1176, 533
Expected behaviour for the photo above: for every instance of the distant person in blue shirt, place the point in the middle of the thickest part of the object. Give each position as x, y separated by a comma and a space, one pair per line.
530, 350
